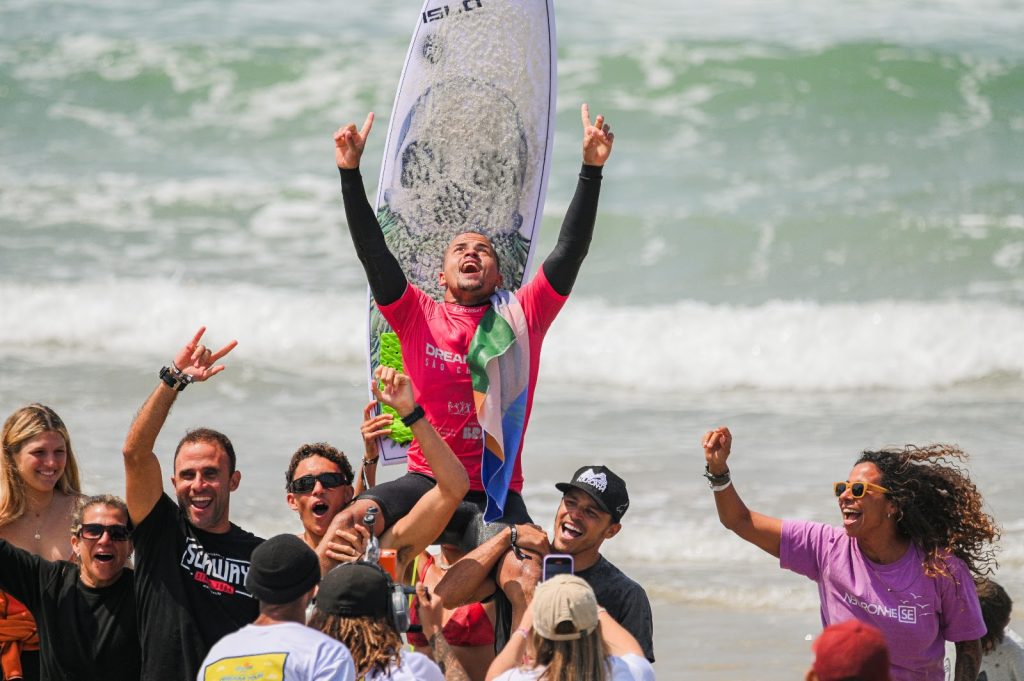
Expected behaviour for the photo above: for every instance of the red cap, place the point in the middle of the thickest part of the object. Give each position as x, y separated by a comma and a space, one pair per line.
851, 649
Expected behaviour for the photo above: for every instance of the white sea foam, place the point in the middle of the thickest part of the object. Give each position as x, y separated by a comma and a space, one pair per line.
689, 346
789, 345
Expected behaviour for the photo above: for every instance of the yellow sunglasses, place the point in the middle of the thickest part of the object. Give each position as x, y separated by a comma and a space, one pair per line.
857, 489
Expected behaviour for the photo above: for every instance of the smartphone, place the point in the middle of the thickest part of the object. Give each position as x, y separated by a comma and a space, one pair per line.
557, 564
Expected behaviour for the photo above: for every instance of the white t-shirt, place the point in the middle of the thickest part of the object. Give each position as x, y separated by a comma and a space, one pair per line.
1006, 662
286, 650
626, 668
414, 667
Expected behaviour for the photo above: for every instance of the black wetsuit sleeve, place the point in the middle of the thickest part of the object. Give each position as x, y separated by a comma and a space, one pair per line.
387, 281
562, 266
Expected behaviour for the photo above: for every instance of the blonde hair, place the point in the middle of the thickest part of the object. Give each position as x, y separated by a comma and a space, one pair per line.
581, 659
373, 642
20, 427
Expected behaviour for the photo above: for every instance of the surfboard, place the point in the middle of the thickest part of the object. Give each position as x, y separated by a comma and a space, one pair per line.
468, 148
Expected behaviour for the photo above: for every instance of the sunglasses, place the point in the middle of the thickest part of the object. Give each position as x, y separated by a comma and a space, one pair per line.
306, 483
96, 530
857, 489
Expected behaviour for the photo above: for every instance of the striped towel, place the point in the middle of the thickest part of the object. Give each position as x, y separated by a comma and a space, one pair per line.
499, 364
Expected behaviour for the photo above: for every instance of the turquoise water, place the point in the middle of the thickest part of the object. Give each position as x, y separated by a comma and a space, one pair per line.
811, 229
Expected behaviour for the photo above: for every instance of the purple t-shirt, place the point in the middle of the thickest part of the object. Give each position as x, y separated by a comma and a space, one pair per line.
914, 612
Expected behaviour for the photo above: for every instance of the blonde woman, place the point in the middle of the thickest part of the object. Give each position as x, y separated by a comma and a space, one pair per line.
39, 488
565, 636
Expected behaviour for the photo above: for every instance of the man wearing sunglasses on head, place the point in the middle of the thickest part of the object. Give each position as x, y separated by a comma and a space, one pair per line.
913, 530
85, 609
190, 559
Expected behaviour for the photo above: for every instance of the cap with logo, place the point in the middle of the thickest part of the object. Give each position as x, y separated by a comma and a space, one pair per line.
606, 488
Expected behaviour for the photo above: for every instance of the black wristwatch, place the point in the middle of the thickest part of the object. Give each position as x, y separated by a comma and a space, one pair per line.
175, 378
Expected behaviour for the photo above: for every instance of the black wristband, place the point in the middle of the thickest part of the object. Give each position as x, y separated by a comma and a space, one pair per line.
513, 536
716, 480
175, 378
414, 416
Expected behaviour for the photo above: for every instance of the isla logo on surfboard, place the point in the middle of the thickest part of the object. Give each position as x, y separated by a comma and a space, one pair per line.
438, 13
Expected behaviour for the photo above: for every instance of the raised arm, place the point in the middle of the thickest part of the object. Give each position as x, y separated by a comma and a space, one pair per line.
760, 530
374, 427
515, 650
617, 641
412, 533
562, 266
387, 281
471, 578
143, 480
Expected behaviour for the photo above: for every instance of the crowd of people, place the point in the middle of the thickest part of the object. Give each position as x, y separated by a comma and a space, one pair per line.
154, 587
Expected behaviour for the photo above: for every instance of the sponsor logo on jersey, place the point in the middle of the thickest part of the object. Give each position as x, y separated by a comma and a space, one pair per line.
218, 574
904, 614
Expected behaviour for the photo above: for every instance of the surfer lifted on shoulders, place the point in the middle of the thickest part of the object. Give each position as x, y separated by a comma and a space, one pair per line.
439, 339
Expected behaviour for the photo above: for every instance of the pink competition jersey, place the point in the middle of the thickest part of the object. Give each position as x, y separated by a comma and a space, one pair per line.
915, 613
435, 338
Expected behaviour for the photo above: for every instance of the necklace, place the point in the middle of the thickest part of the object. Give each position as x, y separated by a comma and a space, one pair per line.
38, 536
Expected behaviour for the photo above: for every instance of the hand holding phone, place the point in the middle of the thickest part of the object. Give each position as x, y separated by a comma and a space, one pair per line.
557, 564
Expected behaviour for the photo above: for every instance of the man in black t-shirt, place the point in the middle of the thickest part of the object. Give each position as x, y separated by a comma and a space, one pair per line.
591, 511
85, 610
190, 559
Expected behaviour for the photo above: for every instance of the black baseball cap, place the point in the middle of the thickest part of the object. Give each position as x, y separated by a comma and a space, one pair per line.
359, 589
606, 488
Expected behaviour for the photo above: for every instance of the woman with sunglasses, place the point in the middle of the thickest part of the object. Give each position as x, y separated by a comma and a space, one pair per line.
85, 607
38, 489
913, 532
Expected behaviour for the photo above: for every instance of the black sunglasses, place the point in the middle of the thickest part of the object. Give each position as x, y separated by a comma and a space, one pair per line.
96, 530
306, 483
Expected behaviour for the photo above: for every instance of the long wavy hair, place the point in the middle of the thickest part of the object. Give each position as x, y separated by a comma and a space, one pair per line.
940, 509
373, 642
20, 427
582, 659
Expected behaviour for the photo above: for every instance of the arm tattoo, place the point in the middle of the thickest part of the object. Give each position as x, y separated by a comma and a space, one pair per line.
968, 660
446, 660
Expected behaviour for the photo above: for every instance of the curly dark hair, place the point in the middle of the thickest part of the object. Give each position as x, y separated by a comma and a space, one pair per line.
996, 606
319, 449
940, 509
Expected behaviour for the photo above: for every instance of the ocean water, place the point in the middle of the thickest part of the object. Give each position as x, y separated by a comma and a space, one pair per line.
811, 230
